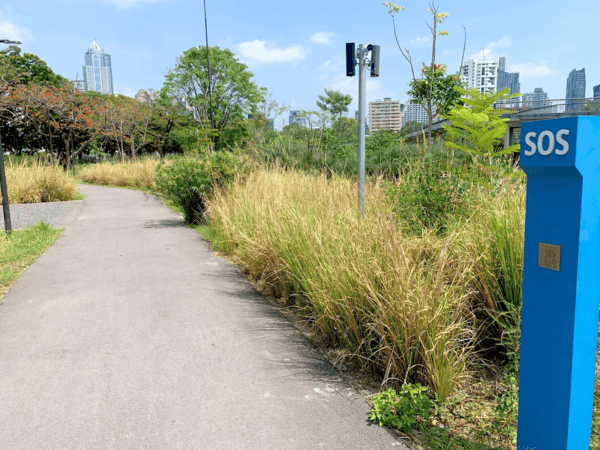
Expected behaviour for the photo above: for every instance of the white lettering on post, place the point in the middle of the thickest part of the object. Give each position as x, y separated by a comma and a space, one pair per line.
561, 141
532, 147
540, 143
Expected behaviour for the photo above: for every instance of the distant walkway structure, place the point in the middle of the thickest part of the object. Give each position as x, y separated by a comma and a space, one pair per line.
517, 113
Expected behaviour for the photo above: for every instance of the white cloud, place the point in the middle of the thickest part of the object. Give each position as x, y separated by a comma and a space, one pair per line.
531, 69
503, 42
125, 4
256, 52
334, 67
419, 41
486, 54
489, 53
322, 37
123, 89
10, 30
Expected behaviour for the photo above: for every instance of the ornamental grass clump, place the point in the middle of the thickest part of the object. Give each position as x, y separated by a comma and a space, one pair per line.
137, 174
398, 303
36, 183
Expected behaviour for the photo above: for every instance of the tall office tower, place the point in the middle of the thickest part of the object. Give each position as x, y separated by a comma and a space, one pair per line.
97, 72
575, 89
415, 113
507, 80
385, 115
481, 75
596, 92
538, 99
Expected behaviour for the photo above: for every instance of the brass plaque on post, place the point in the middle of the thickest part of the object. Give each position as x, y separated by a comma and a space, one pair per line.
549, 256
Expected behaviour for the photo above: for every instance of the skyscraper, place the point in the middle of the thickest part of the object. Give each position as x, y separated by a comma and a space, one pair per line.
507, 79
97, 72
575, 89
597, 92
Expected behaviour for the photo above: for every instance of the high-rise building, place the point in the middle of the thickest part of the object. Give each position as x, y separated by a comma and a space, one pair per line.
537, 99
482, 75
508, 80
296, 118
575, 89
385, 115
597, 92
413, 112
97, 72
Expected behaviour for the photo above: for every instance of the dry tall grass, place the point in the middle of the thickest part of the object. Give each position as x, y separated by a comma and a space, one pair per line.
134, 174
37, 183
401, 305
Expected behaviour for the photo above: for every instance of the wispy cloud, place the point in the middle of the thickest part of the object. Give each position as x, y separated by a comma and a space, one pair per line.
532, 69
126, 4
503, 42
124, 89
489, 52
332, 66
10, 30
322, 37
419, 41
257, 52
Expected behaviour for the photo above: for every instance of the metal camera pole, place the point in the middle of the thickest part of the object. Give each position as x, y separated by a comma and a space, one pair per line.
352, 59
362, 104
5, 205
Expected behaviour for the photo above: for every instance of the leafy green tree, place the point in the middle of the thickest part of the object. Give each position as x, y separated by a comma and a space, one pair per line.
435, 90
231, 91
334, 102
477, 127
26, 69
348, 128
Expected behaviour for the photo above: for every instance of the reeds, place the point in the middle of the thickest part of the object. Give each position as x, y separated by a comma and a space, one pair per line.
133, 174
400, 304
32, 182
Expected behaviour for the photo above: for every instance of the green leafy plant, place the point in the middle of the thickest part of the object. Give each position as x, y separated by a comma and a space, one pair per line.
477, 127
186, 182
401, 410
430, 196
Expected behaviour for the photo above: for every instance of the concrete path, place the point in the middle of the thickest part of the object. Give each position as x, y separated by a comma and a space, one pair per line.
129, 333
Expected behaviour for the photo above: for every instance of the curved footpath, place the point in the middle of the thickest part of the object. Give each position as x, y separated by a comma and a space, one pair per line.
129, 333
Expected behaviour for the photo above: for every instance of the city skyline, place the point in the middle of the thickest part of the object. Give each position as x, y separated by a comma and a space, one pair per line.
296, 53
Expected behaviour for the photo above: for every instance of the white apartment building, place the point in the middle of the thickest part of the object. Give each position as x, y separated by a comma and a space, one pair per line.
482, 75
415, 113
385, 114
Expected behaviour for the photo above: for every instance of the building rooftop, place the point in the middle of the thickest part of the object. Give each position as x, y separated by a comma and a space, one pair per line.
95, 48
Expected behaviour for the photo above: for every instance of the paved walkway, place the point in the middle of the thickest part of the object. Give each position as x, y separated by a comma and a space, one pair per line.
129, 333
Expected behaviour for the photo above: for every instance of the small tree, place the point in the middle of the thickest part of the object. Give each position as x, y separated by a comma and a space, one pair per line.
477, 127
435, 90
334, 102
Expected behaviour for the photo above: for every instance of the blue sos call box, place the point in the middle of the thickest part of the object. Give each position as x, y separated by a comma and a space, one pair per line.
561, 283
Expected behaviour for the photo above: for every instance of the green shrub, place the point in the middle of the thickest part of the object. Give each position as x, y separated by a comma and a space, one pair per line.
401, 410
429, 196
188, 181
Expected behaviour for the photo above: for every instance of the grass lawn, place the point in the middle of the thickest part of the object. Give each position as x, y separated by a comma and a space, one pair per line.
22, 248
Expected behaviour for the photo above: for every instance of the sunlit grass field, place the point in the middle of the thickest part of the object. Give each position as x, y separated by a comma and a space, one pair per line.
136, 174
33, 182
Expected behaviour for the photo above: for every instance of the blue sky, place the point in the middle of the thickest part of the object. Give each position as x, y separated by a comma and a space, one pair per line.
296, 48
